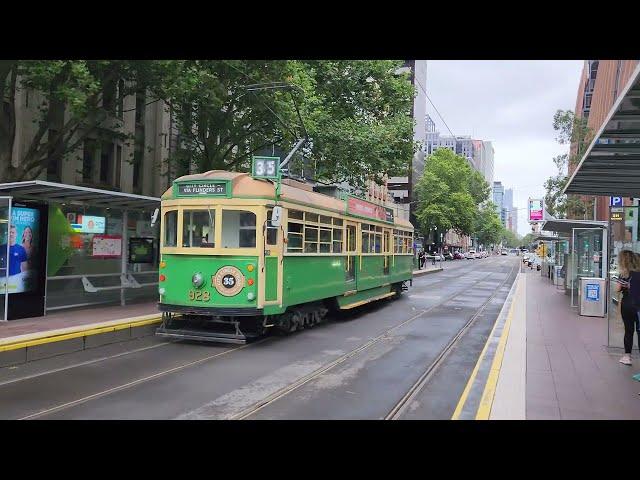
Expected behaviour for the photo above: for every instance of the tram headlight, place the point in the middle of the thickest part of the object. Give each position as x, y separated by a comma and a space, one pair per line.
197, 279
161, 291
250, 296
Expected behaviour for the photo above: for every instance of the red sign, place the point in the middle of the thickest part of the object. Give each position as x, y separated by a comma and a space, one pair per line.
355, 206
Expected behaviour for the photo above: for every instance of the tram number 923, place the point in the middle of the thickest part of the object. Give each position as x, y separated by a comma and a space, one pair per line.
199, 295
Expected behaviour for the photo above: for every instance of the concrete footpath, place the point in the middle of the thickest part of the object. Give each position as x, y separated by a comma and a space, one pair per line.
544, 361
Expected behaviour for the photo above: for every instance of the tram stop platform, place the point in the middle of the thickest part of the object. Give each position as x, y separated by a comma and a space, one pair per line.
31, 339
543, 361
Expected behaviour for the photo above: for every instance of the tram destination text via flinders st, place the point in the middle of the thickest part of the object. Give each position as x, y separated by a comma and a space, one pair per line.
202, 189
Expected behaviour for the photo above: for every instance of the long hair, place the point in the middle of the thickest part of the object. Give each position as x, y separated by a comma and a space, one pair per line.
628, 262
24, 232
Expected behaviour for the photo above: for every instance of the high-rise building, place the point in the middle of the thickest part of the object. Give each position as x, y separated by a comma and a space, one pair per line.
498, 200
401, 188
600, 83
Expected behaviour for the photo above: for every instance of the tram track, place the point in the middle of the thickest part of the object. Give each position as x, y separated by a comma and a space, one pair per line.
398, 410
416, 388
272, 398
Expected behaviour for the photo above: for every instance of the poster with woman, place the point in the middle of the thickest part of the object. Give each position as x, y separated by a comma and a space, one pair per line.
23, 251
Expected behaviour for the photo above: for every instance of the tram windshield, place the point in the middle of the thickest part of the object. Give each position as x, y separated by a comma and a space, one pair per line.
198, 228
238, 229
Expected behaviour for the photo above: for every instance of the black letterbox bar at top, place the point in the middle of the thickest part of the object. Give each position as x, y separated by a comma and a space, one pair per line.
208, 188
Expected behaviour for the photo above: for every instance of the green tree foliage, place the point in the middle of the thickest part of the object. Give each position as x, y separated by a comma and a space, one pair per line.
448, 194
488, 228
509, 239
573, 131
356, 114
75, 99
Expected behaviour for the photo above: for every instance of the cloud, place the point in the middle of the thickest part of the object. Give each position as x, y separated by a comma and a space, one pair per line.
512, 104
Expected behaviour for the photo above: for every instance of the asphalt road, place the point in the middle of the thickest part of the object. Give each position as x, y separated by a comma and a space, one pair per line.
353, 367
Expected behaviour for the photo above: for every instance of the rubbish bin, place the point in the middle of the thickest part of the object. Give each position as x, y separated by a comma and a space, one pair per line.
591, 297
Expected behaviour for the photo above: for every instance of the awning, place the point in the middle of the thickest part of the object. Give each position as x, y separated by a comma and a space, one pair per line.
59, 192
611, 164
567, 225
550, 238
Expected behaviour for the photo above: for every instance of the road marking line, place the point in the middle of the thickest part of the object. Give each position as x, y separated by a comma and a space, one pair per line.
484, 409
467, 389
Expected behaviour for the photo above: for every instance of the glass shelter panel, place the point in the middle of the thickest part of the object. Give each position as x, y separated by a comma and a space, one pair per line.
5, 215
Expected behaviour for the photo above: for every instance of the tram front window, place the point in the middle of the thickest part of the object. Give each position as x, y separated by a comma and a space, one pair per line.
198, 228
238, 229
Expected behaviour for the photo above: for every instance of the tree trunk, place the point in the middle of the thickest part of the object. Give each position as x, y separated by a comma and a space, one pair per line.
8, 81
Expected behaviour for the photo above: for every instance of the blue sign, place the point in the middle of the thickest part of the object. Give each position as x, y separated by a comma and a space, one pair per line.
615, 201
593, 292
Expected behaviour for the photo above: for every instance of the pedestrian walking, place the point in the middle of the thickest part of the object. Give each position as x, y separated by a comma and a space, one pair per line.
628, 285
421, 259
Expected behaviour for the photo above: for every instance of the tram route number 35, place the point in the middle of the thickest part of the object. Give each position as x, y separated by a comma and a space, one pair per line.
265, 167
199, 295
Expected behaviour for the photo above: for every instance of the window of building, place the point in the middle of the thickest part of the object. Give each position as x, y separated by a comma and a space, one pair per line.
106, 162
138, 157
171, 228
120, 100
198, 228
88, 156
238, 229
118, 166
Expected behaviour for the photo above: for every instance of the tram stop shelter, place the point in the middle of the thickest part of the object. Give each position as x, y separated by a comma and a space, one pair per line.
65, 246
611, 166
556, 248
584, 253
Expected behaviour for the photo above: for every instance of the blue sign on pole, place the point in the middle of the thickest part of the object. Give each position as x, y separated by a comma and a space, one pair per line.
615, 202
593, 292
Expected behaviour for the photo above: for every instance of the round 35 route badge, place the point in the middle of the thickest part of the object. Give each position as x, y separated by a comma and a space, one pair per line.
228, 281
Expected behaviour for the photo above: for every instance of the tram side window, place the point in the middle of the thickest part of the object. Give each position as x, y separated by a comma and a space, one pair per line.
171, 229
238, 229
198, 228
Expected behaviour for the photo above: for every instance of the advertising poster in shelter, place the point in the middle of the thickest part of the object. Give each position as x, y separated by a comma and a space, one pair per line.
24, 249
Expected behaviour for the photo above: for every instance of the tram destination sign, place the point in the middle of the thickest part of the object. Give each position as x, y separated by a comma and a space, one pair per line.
202, 188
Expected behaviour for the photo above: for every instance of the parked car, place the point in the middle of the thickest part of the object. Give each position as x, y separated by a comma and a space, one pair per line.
471, 254
458, 255
448, 256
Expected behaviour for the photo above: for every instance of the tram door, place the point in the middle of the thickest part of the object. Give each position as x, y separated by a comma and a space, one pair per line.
272, 261
387, 248
351, 251
5, 215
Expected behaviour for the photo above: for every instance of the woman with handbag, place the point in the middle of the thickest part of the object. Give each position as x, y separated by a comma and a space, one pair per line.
628, 263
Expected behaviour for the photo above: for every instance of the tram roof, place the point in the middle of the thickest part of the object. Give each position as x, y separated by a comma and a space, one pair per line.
242, 184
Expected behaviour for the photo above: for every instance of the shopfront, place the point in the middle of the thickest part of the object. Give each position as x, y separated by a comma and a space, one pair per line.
71, 246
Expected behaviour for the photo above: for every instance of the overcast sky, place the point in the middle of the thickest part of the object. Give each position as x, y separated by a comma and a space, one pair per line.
510, 103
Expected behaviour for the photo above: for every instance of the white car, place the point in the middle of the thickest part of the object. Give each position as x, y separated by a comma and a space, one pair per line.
471, 254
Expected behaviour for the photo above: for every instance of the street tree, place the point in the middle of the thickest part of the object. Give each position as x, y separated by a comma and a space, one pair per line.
445, 196
74, 99
356, 115
488, 228
573, 131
